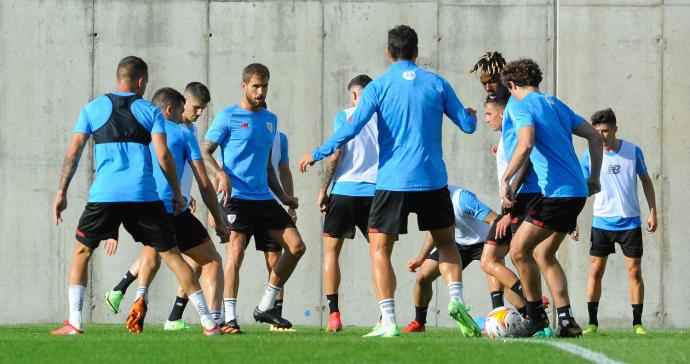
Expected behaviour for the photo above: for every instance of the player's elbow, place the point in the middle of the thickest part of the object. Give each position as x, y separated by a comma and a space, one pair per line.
596, 139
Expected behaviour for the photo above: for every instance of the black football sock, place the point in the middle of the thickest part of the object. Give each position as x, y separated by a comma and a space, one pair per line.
497, 299
178, 308
332, 302
637, 314
565, 315
522, 310
278, 307
593, 309
125, 282
517, 288
420, 314
535, 311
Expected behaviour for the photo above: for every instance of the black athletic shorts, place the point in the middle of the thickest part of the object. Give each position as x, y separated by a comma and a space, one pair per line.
344, 214
263, 242
147, 222
390, 209
468, 253
491, 236
249, 216
557, 214
189, 231
523, 204
603, 242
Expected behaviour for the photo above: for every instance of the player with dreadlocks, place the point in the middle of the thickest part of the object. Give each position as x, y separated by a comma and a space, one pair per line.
489, 67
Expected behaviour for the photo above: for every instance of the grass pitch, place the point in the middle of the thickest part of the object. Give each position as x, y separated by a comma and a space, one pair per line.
113, 344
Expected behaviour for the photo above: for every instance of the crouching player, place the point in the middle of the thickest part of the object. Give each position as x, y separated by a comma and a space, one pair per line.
472, 221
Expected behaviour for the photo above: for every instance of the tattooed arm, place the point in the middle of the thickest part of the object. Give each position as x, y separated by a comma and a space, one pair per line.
69, 167
224, 186
330, 166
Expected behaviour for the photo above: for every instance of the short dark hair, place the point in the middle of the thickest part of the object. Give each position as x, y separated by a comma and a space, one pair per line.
499, 102
199, 91
523, 72
360, 81
605, 116
255, 70
402, 42
132, 68
166, 96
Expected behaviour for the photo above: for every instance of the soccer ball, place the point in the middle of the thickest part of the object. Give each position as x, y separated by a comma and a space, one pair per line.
502, 321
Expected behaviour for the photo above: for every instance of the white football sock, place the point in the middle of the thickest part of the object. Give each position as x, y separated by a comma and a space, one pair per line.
142, 292
230, 305
455, 291
217, 317
197, 299
76, 303
269, 297
387, 308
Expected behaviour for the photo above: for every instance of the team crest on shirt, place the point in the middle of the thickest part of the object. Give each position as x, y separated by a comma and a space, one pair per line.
269, 126
232, 218
409, 75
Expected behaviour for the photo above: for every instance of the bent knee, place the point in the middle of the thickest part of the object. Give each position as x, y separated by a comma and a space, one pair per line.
298, 249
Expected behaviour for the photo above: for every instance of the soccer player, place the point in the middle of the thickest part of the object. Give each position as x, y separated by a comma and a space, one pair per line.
489, 67
409, 102
617, 216
544, 127
245, 133
352, 169
124, 192
191, 236
472, 221
196, 98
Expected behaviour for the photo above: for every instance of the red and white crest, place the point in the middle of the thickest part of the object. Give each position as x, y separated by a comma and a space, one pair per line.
232, 218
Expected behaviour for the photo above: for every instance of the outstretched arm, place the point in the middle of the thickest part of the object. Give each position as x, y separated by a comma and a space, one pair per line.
417, 262
365, 110
465, 119
69, 167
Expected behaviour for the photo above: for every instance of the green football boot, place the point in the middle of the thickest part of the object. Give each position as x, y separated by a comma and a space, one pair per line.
176, 325
459, 313
113, 300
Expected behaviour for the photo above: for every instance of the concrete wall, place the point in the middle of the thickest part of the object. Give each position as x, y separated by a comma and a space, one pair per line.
57, 55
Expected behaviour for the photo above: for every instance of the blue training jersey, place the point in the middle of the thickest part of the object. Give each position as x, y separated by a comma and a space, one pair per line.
124, 171
284, 158
184, 148
553, 157
530, 183
246, 140
409, 102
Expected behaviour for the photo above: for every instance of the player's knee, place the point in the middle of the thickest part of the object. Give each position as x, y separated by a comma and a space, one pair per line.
83, 251
517, 255
635, 273
298, 249
597, 272
422, 278
486, 263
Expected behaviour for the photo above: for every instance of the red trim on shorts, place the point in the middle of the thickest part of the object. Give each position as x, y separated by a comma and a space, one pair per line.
491, 242
327, 235
204, 240
373, 230
532, 212
514, 220
80, 234
537, 222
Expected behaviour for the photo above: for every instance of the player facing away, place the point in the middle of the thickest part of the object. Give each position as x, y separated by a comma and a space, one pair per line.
124, 192
472, 221
352, 169
544, 128
410, 103
191, 236
245, 133
617, 216
196, 98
